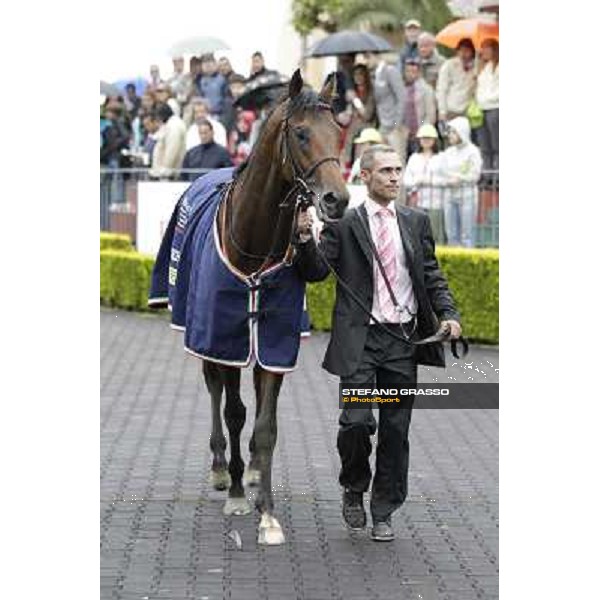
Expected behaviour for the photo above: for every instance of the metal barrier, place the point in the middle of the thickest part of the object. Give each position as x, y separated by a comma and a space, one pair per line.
464, 214
461, 215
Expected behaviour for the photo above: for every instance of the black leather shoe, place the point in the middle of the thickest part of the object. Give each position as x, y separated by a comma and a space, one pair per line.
382, 531
353, 511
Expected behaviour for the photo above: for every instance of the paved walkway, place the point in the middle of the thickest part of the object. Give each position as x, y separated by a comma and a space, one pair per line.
162, 531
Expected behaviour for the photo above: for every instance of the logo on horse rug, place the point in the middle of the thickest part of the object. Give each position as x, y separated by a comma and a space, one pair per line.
228, 317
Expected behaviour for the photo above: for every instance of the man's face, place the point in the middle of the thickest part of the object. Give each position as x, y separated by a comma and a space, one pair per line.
147, 101
465, 54
162, 94
154, 72
209, 66
206, 134
426, 48
371, 59
224, 66
130, 92
178, 65
412, 33
383, 180
200, 112
236, 88
195, 68
257, 63
411, 73
453, 137
150, 125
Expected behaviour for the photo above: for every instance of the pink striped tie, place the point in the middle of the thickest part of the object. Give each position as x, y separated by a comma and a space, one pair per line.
387, 254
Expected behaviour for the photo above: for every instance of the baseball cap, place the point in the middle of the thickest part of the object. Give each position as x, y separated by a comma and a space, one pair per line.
427, 131
412, 23
369, 135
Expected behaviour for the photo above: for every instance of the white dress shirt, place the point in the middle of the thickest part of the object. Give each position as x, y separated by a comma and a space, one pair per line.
404, 290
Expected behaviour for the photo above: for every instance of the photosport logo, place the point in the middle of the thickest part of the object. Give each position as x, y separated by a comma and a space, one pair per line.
420, 395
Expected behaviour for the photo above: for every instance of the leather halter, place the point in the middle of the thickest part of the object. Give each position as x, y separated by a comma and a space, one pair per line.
304, 196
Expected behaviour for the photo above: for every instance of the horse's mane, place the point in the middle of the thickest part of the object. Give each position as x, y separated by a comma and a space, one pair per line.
307, 99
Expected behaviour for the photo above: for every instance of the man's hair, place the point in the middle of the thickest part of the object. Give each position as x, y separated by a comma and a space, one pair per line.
367, 160
415, 62
237, 78
130, 86
466, 43
208, 56
163, 112
197, 100
425, 36
205, 122
257, 54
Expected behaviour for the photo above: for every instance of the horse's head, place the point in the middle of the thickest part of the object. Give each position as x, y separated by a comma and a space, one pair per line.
311, 147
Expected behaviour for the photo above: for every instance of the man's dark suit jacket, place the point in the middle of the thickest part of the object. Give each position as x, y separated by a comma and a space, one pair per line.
346, 247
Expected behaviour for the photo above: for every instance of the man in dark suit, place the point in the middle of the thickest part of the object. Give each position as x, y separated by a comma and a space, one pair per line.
364, 353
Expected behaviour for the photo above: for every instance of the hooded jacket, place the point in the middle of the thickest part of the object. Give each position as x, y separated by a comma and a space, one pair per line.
462, 161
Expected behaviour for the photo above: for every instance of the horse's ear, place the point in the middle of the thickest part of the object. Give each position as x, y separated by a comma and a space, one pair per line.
296, 84
329, 91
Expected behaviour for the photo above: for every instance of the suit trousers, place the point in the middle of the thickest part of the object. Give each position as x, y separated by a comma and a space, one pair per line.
386, 362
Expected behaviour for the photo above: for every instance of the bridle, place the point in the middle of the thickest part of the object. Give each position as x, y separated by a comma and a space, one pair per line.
299, 197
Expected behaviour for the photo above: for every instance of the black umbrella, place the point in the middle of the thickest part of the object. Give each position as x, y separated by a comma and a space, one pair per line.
349, 42
107, 89
262, 90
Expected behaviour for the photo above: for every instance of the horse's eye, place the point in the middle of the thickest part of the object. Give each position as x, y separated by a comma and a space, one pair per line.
302, 135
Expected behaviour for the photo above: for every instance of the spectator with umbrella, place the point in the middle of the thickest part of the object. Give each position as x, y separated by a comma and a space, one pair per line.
456, 82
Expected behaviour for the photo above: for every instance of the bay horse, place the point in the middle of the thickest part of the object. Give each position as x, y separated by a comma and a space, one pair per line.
295, 157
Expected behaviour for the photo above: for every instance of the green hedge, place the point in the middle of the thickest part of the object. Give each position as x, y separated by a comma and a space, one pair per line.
125, 278
115, 241
472, 275
473, 279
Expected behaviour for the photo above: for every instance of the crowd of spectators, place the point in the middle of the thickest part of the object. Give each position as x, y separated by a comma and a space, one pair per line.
440, 114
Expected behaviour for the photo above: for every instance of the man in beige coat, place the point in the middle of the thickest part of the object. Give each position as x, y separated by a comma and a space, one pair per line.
456, 82
169, 150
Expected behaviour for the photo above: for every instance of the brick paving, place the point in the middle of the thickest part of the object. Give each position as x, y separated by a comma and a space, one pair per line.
163, 535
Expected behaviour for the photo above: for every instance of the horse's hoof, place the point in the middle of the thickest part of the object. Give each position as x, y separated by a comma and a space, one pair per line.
252, 477
236, 506
220, 480
269, 531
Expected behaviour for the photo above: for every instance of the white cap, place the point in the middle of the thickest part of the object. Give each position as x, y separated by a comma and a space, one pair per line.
412, 23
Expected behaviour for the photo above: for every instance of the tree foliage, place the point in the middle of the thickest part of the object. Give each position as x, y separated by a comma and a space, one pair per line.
373, 15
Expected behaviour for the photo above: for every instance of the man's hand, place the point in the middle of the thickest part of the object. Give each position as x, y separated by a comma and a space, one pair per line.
304, 224
454, 327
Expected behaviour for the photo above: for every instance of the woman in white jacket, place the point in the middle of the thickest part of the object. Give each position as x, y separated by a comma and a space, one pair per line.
458, 171
419, 181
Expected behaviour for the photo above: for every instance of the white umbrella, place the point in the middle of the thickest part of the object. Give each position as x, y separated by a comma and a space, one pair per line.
197, 45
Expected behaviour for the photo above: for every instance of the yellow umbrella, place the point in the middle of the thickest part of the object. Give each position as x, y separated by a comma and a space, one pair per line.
477, 30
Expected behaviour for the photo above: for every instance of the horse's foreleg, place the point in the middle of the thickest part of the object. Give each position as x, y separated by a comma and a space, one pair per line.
265, 438
219, 475
235, 417
252, 475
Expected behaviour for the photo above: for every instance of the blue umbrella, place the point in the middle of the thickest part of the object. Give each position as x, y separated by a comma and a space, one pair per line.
139, 82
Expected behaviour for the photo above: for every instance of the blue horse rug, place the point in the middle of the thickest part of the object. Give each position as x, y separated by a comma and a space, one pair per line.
227, 317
